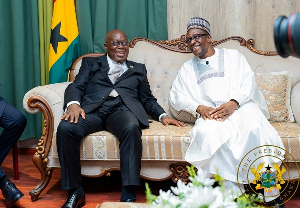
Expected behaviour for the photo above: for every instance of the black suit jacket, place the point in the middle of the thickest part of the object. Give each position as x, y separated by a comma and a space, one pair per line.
92, 86
2, 106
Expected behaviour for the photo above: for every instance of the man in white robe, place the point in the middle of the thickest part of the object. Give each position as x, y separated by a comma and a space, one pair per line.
218, 87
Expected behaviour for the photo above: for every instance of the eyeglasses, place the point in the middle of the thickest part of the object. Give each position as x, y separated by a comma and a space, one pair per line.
195, 37
117, 43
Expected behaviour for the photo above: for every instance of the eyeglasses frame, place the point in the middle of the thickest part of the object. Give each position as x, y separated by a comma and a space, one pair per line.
117, 43
195, 37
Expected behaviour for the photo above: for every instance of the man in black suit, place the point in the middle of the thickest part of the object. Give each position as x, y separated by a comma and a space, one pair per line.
13, 123
109, 93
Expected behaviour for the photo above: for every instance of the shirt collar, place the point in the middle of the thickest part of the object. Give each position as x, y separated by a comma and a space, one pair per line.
209, 59
112, 63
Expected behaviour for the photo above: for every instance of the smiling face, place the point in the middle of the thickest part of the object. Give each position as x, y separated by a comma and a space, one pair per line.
200, 47
119, 52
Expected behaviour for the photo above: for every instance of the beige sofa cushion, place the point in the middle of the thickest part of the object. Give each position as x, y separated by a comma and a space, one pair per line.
289, 133
159, 143
276, 88
167, 143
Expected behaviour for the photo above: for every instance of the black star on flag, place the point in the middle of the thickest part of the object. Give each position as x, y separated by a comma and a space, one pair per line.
56, 37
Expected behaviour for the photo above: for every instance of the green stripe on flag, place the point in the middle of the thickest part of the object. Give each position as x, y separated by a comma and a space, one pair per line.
60, 69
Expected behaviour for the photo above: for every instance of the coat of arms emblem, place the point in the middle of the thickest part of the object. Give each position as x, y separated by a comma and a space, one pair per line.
268, 179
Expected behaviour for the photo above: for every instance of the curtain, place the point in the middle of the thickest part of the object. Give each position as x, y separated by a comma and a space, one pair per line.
45, 8
137, 18
19, 57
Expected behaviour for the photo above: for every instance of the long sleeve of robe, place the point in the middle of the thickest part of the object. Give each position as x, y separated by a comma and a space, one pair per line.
219, 147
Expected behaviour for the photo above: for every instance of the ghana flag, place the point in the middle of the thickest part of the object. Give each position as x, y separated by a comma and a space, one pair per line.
64, 41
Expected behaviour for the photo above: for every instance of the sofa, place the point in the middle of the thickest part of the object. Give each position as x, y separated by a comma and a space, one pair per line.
164, 147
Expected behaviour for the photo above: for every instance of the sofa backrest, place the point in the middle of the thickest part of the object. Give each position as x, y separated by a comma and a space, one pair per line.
265, 61
162, 66
163, 59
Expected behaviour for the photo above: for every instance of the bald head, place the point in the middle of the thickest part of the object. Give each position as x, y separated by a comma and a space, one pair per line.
116, 45
112, 33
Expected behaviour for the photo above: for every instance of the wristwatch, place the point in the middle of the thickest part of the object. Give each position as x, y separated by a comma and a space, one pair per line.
236, 103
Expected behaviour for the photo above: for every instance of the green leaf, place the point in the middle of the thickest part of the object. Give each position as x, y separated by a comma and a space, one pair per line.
247, 200
149, 196
191, 171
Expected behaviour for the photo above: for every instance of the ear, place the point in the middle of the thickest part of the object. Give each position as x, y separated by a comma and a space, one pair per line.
210, 39
105, 46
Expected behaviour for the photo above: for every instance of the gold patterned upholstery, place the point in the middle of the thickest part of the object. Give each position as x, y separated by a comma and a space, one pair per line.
276, 88
167, 143
159, 143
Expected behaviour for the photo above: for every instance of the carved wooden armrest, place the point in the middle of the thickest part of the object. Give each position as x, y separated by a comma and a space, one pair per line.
47, 99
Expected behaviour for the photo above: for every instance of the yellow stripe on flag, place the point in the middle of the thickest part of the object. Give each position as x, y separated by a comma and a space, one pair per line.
64, 13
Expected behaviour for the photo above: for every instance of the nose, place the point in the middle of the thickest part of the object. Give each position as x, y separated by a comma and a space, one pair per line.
193, 40
120, 46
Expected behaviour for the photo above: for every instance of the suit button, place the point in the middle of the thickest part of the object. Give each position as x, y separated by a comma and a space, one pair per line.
103, 98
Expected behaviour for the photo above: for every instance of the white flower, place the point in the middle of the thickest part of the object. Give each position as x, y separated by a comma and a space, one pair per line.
230, 204
181, 189
196, 194
201, 177
167, 198
200, 196
222, 200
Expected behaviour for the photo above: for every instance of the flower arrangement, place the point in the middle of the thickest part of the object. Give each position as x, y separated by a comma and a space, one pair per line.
199, 193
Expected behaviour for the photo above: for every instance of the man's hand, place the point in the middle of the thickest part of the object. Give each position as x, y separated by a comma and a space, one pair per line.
166, 121
205, 111
73, 113
224, 111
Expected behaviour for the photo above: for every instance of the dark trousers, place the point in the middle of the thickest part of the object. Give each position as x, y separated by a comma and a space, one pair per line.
122, 123
13, 123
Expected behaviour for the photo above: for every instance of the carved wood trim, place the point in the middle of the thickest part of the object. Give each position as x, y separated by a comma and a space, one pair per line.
45, 142
46, 175
40, 158
71, 72
180, 172
179, 45
249, 44
107, 172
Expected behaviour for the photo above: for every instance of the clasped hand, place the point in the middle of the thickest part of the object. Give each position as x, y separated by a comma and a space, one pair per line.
219, 114
73, 112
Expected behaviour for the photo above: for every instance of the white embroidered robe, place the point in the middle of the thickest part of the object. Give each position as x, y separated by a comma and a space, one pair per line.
215, 145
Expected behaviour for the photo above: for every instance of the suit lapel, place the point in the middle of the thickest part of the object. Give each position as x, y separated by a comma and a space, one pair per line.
104, 67
129, 72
